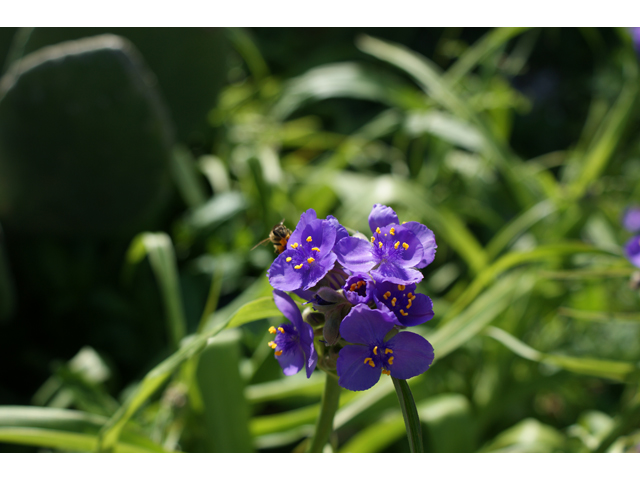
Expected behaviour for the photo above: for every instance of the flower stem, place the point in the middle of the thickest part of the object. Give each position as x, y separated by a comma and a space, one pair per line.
410, 415
324, 425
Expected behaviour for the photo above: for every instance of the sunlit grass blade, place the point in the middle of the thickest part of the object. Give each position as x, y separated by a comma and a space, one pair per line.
619, 371
185, 175
605, 317
527, 436
480, 50
67, 430
247, 48
626, 422
161, 373
159, 248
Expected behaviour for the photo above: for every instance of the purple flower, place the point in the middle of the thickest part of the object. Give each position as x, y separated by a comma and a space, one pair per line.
308, 256
632, 250
359, 366
631, 219
359, 288
409, 309
635, 36
293, 344
395, 250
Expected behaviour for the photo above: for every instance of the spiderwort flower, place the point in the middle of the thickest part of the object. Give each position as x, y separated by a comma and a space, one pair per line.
409, 309
359, 288
631, 219
395, 250
632, 250
359, 366
293, 344
308, 256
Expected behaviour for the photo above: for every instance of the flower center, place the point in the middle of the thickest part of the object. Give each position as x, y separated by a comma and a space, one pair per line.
381, 357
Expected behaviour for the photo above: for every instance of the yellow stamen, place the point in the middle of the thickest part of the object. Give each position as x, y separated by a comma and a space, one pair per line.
278, 353
392, 231
401, 287
387, 351
273, 345
404, 314
311, 259
281, 330
393, 302
406, 247
373, 239
298, 267
353, 287
375, 350
288, 259
396, 245
411, 296
390, 361
386, 372
309, 238
316, 249
380, 244
378, 230
409, 304
387, 295
369, 361
295, 245
272, 329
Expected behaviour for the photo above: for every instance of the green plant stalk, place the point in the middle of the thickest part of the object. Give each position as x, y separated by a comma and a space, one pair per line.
410, 415
328, 408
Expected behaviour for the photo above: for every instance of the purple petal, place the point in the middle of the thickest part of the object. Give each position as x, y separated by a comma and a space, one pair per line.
427, 239
421, 311
318, 270
632, 250
312, 355
306, 218
282, 276
291, 361
631, 219
381, 216
389, 272
365, 326
341, 232
353, 373
355, 294
289, 309
412, 355
409, 251
355, 254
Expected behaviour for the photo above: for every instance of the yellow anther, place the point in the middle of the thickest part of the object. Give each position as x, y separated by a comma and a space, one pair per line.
281, 330
316, 249
386, 372
288, 259
378, 230
272, 329
392, 231
273, 345
369, 361
278, 353
390, 361
295, 245
311, 260
387, 351
411, 296
409, 304
375, 350
396, 245
309, 238
353, 287
387, 295
406, 246
361, 283
401, 287
373, 239
404, 314
380, 244
298, 267
393, 302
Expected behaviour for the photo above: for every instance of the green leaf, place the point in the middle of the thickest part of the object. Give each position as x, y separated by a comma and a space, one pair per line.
159, 248
527, 436
185, 174
260, 308
618, 371
409, 415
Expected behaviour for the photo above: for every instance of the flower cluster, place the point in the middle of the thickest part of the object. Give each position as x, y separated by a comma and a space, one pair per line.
362, 295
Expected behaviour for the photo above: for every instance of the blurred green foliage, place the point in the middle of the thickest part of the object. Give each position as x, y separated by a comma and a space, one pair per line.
138, 170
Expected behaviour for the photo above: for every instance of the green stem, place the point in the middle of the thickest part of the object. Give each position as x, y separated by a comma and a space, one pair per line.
410, 415
324, 425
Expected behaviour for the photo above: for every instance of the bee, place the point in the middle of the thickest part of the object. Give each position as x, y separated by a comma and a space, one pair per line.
279, 236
